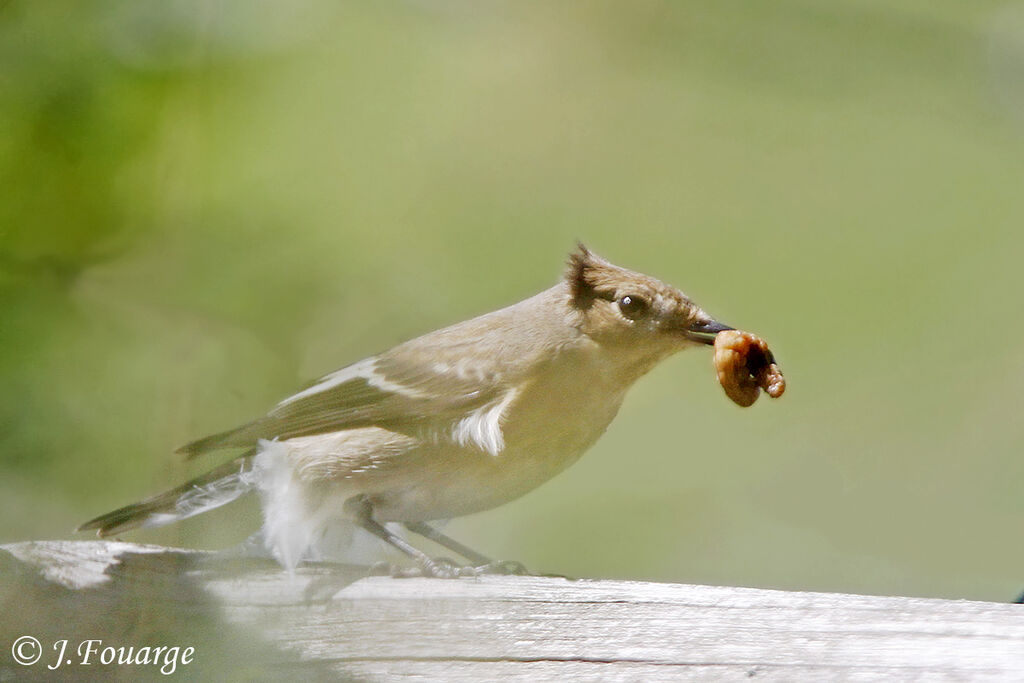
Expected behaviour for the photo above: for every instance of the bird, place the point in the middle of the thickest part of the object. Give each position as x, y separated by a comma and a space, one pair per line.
454, 422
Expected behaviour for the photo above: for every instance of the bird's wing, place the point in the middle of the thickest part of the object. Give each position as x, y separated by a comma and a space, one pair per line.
405, 390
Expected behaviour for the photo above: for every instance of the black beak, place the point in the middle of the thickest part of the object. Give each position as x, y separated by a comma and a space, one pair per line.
704, 331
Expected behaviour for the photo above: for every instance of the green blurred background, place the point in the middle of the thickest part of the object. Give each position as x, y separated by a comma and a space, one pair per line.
205, 204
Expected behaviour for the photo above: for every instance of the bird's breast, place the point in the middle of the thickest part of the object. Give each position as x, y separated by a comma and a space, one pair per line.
505, 449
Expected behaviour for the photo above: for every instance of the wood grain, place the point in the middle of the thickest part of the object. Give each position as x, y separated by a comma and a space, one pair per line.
249, 618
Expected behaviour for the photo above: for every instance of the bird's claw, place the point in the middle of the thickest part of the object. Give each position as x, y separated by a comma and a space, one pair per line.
445, 568
503, 568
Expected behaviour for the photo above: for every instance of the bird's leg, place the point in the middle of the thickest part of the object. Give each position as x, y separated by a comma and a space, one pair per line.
483, 564
362, 513
427, 531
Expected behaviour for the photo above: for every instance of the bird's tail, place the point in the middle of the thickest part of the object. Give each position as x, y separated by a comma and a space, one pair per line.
213, 489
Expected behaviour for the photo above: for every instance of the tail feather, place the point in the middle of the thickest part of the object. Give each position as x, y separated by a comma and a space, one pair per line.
213, 489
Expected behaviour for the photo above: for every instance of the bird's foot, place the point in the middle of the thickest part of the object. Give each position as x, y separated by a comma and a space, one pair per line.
502, 568
445, 568
441, 568
438, 568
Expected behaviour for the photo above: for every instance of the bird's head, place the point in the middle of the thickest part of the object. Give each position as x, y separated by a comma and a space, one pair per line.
625, 309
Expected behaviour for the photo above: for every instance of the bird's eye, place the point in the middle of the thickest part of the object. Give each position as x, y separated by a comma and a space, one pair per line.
632, 306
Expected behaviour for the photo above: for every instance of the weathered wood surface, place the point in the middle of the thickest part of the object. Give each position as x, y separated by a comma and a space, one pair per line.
248, 619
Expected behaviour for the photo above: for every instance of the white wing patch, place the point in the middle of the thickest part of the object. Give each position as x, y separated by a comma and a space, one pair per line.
482, 427
366, 369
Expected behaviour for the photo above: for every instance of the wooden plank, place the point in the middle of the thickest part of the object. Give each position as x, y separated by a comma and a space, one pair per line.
250, 616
